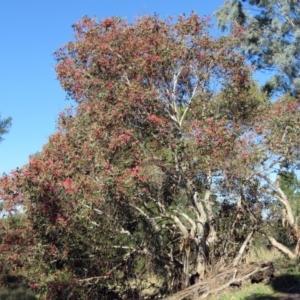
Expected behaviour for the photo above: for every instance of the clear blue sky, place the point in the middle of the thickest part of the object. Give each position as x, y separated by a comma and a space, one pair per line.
31, 30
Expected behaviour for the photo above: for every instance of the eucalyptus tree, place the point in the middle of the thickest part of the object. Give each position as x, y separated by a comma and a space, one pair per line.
168, 139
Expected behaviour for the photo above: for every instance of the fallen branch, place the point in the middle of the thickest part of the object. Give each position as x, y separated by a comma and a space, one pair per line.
233, 276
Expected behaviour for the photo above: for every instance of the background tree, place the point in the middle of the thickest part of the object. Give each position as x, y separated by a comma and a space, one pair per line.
276, 153
272, 38
4, 126
289, 183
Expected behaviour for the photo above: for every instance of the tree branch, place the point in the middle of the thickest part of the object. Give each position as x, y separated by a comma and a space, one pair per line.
282, 248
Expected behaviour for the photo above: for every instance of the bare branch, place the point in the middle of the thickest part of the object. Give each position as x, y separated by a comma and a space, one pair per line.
244, 246
282, 248
193, 224
151, 220
179, 224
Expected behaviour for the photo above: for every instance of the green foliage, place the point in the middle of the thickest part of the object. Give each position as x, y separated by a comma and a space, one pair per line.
4, 126
272, 38
17, 294
14, 287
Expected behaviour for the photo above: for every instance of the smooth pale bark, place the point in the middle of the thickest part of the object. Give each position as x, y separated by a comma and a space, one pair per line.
244, 246
282, 248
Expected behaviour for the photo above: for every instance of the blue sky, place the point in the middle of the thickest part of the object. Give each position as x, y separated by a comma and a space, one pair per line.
31, 30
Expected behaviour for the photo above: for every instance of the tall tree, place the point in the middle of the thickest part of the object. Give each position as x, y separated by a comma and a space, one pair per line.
169, 139
272, 37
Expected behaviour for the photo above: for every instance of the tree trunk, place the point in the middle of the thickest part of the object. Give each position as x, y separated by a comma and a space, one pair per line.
186, 262
297, 248
201, 264
202, 256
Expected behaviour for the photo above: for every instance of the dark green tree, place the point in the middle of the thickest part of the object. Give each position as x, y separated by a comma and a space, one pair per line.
4, 126
272, 38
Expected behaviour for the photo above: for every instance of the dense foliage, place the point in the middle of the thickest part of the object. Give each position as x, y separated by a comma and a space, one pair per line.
165, 165
272, 38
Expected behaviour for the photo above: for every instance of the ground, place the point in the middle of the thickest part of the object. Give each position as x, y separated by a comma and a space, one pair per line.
284, 286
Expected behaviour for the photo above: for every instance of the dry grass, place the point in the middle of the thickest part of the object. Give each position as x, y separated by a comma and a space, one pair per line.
149, 285
151, 282
257, 254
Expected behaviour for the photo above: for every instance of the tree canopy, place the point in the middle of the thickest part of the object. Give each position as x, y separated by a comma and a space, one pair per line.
272, 38
164, 166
